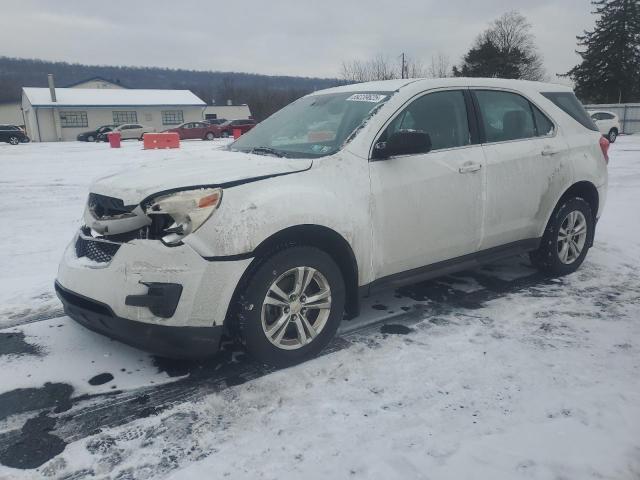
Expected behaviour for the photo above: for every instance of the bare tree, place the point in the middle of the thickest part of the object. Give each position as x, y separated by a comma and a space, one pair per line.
506, 49
440, 66
381, 68
377, 68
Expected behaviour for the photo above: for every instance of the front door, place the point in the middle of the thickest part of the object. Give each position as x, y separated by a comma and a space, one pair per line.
427, 208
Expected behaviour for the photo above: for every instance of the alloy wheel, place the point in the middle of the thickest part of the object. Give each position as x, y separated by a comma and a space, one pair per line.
296, 308
572, 237
14, 140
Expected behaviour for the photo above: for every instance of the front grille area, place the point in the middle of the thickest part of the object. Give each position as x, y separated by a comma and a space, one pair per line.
100, 252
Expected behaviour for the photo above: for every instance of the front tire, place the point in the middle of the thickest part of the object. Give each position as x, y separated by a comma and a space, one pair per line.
612, 135
13, 140
90, 138
291, 306
567, 238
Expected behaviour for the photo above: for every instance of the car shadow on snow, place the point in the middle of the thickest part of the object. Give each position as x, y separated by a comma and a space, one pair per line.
57, 418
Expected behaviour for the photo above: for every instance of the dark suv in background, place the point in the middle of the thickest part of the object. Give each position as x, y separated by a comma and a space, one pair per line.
92, 135
12, 134
244, 125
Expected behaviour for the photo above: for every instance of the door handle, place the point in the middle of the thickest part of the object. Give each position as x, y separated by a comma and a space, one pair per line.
470, 167
547, 151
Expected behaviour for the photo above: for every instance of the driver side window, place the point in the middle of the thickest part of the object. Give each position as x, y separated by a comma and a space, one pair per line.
442, 115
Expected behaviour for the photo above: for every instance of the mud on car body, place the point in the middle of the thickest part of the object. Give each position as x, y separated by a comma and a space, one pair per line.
343, 192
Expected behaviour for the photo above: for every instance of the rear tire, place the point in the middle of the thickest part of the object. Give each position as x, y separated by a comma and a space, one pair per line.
276, 320
209, 136
612, 135
567, 238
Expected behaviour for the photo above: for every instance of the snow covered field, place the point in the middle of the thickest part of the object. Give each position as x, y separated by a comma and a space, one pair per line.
497, 373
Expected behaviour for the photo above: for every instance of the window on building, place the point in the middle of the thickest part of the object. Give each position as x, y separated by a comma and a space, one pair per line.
125, 117
73, 119
172, 117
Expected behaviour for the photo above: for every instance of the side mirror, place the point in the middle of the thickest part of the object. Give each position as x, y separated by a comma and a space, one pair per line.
403, 142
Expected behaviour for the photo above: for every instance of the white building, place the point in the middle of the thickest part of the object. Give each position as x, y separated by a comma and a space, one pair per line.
62, 113
96, 82
230, 112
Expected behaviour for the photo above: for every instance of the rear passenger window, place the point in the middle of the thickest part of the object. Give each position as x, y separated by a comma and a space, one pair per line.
568, 102
544, 126
443, 115
505, 116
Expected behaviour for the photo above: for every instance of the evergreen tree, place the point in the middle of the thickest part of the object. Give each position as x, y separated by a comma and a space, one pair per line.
505, 50
610, 67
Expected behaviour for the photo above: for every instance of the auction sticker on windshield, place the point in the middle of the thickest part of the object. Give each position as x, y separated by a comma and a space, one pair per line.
366, 97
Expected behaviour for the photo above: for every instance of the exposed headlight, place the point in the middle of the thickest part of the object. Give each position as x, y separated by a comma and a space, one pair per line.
188, 209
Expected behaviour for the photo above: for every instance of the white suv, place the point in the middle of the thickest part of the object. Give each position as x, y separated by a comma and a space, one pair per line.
341, 193
607, 122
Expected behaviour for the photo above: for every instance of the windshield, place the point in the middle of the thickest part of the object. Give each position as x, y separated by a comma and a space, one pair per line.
313, 126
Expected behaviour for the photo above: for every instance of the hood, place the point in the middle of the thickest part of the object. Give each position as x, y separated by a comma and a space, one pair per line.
178, 169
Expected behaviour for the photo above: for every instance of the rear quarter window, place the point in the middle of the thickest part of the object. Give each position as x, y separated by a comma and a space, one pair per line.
568, 103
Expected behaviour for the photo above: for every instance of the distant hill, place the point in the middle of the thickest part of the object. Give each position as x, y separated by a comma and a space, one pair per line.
16, 73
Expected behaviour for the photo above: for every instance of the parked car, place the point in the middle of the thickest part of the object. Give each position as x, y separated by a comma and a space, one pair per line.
128, 131
408, 180
245, 124
12, 134
608, 123
216, 121
92, 135
192, 130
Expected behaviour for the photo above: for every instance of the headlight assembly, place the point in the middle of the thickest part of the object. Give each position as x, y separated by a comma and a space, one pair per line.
188, 209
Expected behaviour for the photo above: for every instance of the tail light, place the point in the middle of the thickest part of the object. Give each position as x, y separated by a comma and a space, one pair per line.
604, 146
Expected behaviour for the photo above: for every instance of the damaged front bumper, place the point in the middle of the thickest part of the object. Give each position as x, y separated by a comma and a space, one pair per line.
169, 300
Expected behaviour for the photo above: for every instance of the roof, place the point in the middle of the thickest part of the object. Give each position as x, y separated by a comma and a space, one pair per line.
428, 83
107, 97
101, 79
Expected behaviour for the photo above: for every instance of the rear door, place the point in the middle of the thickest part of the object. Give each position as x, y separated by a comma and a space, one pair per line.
198, 130
428, 207
526, 166
4, 133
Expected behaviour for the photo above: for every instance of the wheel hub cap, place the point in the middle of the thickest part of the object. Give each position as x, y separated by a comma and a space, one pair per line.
296, 308
572, 237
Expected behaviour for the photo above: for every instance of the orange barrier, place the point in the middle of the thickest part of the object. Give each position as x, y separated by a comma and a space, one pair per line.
114, 139
161, 140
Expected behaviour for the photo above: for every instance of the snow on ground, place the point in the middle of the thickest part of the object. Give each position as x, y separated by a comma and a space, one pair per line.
501, 374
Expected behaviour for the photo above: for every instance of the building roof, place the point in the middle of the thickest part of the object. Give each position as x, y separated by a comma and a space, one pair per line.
101, 79
106, 97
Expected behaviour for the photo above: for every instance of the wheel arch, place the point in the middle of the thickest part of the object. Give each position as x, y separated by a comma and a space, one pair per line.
586, 190
321, 237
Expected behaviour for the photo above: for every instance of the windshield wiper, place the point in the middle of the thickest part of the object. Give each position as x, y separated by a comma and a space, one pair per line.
267, 151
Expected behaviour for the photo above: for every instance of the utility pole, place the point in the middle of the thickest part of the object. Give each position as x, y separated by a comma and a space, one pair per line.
403, 67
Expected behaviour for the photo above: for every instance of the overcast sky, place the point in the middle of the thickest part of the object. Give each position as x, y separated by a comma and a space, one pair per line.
303, 37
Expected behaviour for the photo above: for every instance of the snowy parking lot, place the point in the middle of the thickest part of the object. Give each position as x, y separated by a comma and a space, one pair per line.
497, 373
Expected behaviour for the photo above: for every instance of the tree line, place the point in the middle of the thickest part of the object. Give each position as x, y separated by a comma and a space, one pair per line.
264, 94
